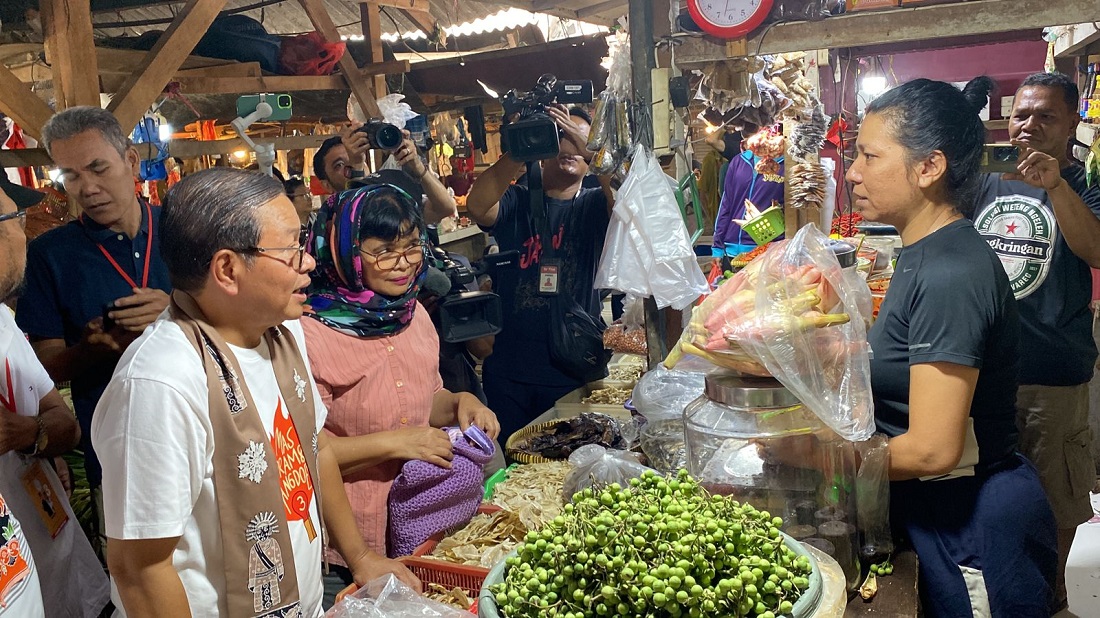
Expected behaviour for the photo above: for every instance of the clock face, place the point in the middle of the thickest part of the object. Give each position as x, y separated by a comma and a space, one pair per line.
729, 18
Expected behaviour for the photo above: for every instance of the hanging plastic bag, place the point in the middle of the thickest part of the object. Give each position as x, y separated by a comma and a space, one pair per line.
309, 54
392, 107
388, 597
594, 464
873, 499
648, 251
794, 314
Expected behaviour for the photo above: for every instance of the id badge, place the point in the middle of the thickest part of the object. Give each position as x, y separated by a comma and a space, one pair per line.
549, 271
45, 500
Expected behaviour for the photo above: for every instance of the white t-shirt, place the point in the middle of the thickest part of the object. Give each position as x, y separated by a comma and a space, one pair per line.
20, 591
153, 433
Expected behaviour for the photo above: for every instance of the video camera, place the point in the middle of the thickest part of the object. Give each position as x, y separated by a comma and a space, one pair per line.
463, 314
534, 136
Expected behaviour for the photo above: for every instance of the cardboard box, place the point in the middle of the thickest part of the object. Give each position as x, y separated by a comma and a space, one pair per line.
869, 5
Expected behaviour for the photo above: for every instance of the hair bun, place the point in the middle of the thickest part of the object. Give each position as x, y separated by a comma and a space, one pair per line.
977, 92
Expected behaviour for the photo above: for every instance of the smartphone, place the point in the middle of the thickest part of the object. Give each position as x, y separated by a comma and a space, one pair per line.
108, 323
1001, 158
281, 106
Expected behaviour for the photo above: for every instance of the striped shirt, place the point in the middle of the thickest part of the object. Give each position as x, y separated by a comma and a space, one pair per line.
371, 385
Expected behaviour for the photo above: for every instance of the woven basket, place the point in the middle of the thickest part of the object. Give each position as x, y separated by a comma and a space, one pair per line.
521, 435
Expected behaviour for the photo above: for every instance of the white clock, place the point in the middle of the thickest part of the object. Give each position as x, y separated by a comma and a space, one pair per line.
729, 19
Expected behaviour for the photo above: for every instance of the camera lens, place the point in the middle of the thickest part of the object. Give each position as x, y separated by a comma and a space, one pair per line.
284, 100
1006, 154
388, 137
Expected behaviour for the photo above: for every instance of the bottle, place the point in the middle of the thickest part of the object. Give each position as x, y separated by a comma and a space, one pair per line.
1086, 91
1093, 115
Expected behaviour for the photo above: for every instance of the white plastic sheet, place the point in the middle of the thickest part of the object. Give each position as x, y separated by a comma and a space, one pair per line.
387, 597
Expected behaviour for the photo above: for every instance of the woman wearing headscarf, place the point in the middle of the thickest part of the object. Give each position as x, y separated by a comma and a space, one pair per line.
374, 351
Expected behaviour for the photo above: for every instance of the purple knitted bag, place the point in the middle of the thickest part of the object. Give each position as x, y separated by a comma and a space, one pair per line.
426, 499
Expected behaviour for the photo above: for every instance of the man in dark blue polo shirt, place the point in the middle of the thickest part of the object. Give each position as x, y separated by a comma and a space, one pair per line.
104, 266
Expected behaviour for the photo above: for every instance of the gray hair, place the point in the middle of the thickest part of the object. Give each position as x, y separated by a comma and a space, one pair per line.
209, 211
76, 120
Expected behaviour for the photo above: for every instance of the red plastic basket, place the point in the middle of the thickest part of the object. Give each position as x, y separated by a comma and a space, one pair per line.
448, 574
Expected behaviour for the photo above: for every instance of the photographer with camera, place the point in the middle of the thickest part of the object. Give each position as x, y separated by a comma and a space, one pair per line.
343, 157
1043, 221
520, 378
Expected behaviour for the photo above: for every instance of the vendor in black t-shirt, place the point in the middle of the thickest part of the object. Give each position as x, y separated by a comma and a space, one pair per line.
1044, 226
520, 379
943, 372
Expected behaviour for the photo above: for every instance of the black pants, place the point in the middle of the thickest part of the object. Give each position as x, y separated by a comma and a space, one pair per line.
516, 404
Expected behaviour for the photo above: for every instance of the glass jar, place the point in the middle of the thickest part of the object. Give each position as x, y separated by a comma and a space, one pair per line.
752, 439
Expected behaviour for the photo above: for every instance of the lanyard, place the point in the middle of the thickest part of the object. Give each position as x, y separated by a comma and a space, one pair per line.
148, 254
9, 402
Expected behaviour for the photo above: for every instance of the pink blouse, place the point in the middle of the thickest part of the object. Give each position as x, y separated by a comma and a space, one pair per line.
371, 385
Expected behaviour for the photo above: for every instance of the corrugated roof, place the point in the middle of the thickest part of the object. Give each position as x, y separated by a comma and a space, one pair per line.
287, 17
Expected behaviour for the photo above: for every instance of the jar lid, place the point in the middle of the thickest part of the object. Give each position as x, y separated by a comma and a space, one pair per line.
844, 252
749, 392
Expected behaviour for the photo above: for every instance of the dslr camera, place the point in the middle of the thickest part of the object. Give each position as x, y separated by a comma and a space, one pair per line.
382, 135
534, 136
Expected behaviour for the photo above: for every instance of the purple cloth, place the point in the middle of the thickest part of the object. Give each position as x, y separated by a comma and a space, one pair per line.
426, 499
743, 183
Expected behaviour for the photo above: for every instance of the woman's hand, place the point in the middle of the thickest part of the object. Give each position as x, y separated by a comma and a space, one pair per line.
425, 444
472, 412
370, 566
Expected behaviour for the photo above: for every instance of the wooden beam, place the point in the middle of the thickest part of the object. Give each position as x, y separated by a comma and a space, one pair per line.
184, 149
70, 51
599, 7
415, 5
200, 84
422, 19
166, 57
389, 67
232, 69
21, 104
360, 87
898, 25
371, 16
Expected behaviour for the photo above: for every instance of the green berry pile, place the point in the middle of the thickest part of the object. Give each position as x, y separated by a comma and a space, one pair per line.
660, 547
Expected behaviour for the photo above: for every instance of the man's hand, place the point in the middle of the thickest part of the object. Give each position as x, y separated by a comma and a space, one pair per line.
357, 144
101, 344
560, 115
133, 313
409, 159
370, 566
64, 475
1037, 169
472, 412
425, 444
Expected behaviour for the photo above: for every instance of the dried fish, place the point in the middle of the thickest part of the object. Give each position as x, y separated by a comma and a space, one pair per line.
455, 597
482, 542
533, 491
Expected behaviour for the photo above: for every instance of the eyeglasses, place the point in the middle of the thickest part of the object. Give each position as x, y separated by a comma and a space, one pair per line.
19, 214
296, 259
388, 260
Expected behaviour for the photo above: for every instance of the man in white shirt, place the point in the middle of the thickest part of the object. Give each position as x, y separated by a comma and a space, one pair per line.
20, 593
183, 539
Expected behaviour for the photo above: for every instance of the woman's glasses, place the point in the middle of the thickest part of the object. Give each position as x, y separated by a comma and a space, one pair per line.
388, 260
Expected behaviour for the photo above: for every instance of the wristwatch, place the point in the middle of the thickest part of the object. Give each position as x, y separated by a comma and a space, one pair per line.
41, 439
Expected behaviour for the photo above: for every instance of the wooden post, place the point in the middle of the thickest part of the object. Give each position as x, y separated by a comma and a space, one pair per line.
70, 50
21, 104
360, 87
161, 63
372, 32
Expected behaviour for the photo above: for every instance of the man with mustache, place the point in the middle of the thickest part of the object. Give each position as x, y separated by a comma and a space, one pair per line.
1042, 221
520, 379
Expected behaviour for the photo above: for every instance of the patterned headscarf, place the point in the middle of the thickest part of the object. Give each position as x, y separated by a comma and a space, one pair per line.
336, 293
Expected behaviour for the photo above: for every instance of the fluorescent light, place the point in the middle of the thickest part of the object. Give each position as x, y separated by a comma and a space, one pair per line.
55, 175
873, 85
489, 91
165, 132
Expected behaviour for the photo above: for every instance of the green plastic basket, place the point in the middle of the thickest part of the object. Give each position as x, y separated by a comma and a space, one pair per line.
767, 227
805, 607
